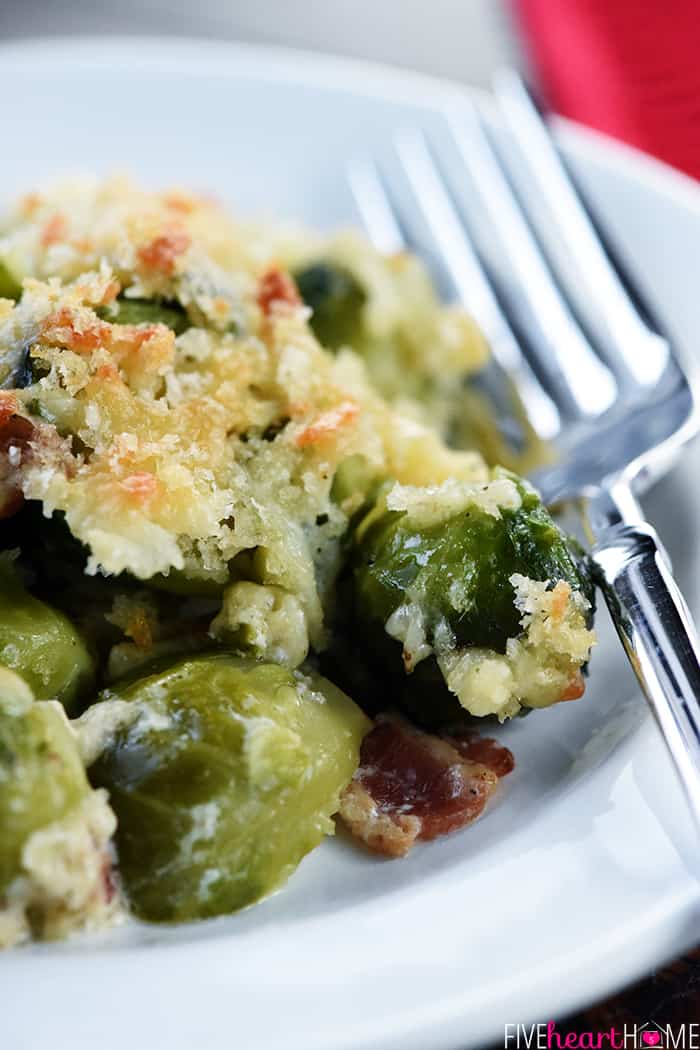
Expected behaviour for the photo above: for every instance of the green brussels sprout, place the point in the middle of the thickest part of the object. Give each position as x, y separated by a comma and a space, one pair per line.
10, 283
41, 775
451, 577
459, 569
227, 775
336, 298
41, 644
146, 311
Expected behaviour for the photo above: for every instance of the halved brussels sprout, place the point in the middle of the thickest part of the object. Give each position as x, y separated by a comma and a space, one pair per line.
336, 298
226, 776
41, 775
448, 573
41, 644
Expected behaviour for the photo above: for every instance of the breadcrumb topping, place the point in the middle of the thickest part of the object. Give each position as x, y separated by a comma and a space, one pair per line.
180, 452
539, 668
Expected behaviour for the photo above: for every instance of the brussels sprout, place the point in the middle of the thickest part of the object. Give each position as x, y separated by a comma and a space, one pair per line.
336, 299
41, 775
10, 284
459, 569
147, 311
419, 582
225, 778
40, 643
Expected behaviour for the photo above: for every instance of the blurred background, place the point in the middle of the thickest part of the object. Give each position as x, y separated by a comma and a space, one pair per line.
626, 67
465, 39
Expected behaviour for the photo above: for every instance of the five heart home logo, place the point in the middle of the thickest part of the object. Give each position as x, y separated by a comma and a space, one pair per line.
647, 1036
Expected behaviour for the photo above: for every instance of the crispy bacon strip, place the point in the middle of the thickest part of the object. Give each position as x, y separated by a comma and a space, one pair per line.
485, 750
414, 786
276, 286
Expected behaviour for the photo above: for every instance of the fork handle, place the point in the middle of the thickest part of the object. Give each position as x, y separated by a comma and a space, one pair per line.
654, 624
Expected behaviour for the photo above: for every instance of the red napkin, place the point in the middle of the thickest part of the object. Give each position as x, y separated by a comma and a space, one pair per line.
630, 68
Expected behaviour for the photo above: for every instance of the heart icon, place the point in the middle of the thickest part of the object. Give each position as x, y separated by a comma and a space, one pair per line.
651, 1038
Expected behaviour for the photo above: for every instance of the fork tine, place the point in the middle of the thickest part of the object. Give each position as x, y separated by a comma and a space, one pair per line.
631, 343
579, 381
378, 217
470, 280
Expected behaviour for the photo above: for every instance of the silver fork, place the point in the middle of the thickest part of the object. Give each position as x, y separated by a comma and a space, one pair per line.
610, 393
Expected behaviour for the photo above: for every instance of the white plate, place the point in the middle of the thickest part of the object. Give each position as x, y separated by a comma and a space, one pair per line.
575, 882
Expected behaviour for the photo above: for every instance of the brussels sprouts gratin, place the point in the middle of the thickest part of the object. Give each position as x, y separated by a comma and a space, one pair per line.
250, 577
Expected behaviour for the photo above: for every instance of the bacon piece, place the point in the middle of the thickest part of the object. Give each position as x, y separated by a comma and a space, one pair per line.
327, 424
11, 500
483, 749
21, 439
162, 252
16, 433
413, 786
276, 286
